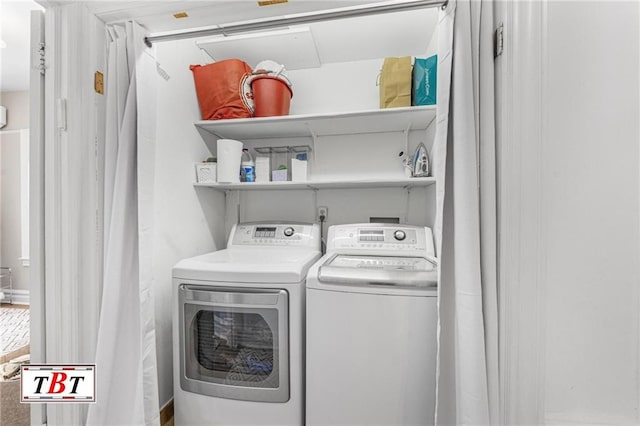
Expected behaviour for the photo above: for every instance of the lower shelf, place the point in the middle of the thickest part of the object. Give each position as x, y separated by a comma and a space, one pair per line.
322, 184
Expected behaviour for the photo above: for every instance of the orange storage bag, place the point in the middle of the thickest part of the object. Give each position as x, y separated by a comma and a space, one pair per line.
220, 89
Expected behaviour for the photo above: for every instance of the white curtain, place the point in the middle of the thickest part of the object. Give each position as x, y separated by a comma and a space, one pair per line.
127, 389
467, 391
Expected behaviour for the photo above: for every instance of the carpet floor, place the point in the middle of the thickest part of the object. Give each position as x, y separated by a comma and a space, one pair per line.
14, 342
14, 332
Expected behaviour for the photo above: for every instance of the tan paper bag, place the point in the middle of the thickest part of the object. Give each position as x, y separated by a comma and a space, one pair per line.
395, 82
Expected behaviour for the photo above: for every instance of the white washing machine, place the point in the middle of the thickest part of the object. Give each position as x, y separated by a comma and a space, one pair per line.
371, 327
239, 328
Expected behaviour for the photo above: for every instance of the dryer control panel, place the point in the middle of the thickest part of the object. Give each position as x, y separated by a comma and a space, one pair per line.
381, 239
275, 234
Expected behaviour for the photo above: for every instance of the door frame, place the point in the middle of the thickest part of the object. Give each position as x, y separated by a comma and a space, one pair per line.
520, 132
37, 335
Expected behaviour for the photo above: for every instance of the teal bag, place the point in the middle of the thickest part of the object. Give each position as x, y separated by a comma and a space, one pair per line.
425, 79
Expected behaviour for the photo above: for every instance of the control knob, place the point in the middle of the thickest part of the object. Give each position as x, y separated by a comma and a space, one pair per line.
289, 231
399, 235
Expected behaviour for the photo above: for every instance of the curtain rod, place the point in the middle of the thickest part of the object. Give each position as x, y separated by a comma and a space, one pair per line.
298, 19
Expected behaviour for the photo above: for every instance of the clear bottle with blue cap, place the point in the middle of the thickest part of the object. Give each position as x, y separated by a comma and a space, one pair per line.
247, 167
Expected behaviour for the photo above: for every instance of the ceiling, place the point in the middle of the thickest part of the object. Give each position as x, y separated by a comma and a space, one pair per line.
157, 17
392, 34
405, 33
15, 32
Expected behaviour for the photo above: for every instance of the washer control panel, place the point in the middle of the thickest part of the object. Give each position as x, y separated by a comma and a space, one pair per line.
381, 239
387, 263
405, 237
274, 234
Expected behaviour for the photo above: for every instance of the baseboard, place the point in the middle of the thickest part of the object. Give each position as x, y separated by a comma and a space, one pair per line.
17, 297
587, 419
166, 414
15, 354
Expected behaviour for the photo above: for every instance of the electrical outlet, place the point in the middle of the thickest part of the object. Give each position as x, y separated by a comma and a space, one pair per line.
323, 211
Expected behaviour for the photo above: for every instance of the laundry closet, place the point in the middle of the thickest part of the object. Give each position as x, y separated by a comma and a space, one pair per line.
356, 150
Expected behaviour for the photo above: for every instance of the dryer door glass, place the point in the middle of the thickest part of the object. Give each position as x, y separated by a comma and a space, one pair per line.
237, 348
234, 342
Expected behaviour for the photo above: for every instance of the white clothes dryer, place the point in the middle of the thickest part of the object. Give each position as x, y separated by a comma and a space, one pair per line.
371, 327
239, 328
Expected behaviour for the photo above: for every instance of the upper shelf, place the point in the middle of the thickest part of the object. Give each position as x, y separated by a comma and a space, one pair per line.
307, 125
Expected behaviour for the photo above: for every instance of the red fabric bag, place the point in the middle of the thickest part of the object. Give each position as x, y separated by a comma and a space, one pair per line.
220, 89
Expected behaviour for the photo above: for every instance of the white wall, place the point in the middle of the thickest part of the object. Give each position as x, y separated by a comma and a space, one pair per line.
17, 104
570, 209
188, 222
591, 209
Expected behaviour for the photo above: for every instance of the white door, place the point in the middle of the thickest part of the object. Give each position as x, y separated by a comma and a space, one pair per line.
65, 200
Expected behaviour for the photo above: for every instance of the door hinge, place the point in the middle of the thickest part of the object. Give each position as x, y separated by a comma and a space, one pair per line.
42, 67
498, 41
